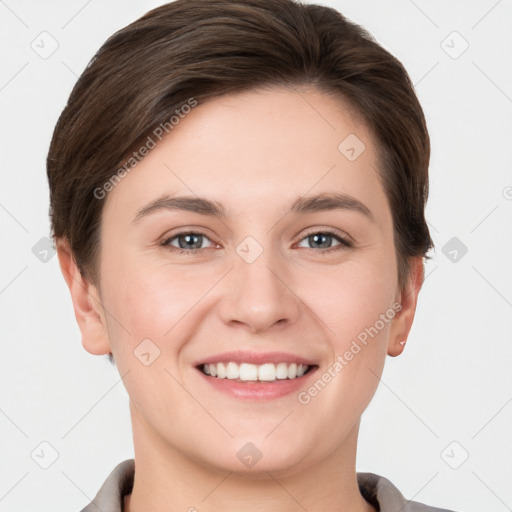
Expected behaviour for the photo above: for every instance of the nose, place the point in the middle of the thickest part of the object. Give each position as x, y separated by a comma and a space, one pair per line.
258, 296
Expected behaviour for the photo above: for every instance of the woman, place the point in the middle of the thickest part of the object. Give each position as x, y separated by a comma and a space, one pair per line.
237, 198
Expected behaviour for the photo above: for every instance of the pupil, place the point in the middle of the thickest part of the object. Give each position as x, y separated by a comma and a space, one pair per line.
188, 239
315, 239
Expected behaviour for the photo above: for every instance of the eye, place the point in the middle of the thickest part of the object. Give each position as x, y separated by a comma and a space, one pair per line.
187, 242
323, 240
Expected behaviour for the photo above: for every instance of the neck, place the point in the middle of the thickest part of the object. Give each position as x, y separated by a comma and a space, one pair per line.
168, 480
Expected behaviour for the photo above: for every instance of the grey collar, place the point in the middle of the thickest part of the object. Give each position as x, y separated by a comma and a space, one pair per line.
377, 490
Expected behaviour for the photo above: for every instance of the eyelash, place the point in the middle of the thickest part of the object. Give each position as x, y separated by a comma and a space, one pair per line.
344, 242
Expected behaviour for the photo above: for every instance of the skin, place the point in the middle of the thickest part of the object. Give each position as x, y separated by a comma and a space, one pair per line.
254, 152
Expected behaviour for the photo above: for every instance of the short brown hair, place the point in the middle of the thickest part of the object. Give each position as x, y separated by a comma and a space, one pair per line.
204, 49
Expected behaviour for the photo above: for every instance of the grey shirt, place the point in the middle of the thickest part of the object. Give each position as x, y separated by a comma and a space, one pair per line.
375, 489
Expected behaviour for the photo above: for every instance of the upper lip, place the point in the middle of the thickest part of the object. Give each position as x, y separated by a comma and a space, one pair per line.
242, 356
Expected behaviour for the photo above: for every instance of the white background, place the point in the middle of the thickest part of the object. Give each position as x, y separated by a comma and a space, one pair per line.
452, 383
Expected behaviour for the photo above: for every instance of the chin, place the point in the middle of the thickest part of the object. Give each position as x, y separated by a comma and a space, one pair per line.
256, 456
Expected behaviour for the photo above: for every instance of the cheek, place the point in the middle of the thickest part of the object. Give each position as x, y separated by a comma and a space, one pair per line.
150, 308
153, 301
350, 299
357, 308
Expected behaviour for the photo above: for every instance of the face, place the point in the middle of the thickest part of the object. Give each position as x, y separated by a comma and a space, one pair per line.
256, 234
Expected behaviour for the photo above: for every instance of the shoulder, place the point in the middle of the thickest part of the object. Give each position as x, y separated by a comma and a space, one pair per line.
118, 483
376, 489
385, 497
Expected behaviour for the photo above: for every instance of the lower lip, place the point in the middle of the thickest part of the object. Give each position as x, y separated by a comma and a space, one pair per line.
256, 390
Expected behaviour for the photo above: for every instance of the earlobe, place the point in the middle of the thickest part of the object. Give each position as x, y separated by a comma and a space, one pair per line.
408, 298
87, 304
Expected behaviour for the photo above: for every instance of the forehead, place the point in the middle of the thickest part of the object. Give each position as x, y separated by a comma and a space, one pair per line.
273, 144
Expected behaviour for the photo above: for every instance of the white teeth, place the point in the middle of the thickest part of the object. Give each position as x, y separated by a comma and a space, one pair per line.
232, 371
251, 372
248, 371
267, 372
301, 370
221, 370
292, 371
282, 371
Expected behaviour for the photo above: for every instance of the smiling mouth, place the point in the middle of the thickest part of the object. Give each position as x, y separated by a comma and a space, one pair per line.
247, 372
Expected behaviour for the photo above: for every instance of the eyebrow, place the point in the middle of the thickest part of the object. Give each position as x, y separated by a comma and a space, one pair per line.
302, 205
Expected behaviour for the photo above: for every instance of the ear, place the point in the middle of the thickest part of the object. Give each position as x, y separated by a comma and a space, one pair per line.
408, 298
89, 312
